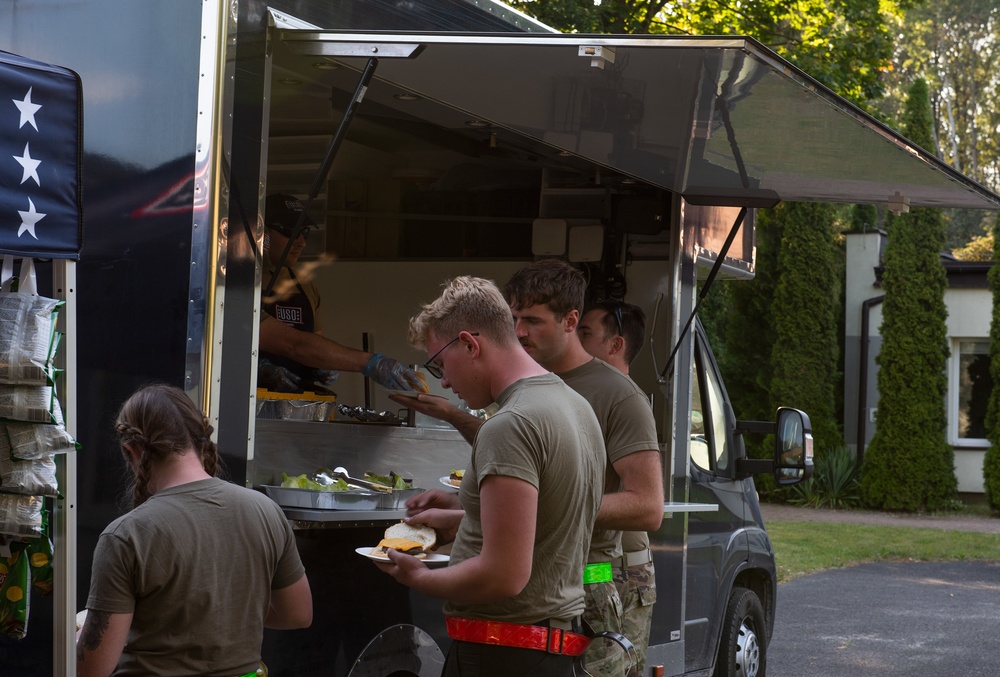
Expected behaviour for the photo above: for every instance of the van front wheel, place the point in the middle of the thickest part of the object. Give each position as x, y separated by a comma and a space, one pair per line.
743, 649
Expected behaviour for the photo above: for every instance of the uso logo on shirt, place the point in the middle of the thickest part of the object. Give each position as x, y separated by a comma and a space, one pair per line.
288, 314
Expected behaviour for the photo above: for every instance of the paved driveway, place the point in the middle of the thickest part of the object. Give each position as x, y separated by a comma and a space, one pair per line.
933, 619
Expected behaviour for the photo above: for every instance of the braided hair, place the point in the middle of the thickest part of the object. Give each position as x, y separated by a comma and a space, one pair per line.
157, 421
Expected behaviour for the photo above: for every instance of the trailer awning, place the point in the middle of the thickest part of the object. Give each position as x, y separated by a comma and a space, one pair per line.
717, 120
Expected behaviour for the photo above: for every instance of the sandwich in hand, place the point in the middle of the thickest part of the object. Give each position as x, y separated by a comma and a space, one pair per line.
411, 539
421, 387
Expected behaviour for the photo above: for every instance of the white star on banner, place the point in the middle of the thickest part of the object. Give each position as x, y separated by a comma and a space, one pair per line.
27, 109
30, 165
29, 219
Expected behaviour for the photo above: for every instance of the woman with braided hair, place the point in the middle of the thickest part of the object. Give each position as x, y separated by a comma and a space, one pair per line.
186, 582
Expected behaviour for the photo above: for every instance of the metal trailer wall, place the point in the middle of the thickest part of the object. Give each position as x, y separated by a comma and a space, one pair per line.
144, 277
138, 63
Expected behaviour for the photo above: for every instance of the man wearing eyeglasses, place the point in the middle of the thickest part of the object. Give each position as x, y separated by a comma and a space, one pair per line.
545, 299
613, 331
294, 355
529, 497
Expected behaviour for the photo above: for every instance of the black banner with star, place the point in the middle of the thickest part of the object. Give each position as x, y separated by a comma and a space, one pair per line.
41, 151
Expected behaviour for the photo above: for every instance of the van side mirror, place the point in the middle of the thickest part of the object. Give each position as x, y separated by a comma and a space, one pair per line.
793, 447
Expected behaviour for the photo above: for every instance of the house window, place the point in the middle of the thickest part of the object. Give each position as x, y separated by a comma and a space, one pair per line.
973, 386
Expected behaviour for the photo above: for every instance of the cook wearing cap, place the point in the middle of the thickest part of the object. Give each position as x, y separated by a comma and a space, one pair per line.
294, 355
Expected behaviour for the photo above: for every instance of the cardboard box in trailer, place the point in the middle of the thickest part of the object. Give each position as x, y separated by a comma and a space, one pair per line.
430, 140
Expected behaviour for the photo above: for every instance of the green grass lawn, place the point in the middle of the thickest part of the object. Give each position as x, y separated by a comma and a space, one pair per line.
803, 548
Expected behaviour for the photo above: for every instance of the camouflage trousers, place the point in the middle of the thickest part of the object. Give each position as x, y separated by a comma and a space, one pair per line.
603, 611
637, 588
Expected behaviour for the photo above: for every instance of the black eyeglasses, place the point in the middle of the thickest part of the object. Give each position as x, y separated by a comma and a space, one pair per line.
433, 369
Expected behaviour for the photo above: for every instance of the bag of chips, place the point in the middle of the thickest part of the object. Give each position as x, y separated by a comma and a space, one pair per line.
28, 337
29, 404
36, 477
40, 558
15, 591
29, 441
21, 516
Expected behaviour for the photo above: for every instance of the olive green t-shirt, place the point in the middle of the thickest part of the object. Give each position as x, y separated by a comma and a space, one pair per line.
195, 565
627, 425
547, 435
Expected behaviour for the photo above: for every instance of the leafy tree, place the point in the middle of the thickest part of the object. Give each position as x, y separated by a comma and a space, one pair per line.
954, 45
979, 249
845, 44
909, 464
991, 464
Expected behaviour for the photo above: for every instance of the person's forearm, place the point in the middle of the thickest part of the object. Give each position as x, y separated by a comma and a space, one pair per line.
309, 348
471, 582
466, 424
629, 511
316, 351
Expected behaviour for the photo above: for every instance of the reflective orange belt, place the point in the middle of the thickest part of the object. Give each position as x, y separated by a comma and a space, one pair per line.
537, 637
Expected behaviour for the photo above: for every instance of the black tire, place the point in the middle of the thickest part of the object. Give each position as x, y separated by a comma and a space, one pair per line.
743, 647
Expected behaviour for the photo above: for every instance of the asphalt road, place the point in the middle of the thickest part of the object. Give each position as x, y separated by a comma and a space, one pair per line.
933, 619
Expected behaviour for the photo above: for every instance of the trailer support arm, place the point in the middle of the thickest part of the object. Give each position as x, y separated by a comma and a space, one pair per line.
331, 153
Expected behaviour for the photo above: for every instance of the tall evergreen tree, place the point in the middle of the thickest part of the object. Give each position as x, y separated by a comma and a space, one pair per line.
909, 464
991, 464
749, 331
864, 218
804, 313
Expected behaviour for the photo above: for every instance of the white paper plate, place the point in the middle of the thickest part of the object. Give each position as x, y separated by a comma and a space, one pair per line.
404, 393
432, 557
411, 393
446, 480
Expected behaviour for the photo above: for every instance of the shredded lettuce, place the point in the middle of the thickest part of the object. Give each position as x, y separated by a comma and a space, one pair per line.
303, 482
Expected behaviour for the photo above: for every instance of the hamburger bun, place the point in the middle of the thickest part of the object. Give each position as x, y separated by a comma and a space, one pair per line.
422, 387
406, 538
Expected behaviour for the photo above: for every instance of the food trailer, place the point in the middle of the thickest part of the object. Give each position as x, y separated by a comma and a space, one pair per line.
431, 139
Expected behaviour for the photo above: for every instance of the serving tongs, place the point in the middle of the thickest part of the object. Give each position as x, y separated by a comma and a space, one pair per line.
326, 476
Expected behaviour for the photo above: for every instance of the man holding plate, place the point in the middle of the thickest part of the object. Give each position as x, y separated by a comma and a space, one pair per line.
527, 503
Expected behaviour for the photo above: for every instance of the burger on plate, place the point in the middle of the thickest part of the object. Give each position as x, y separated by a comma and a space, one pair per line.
410, 539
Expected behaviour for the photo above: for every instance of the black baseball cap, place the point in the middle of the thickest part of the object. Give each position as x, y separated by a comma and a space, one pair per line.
282, 212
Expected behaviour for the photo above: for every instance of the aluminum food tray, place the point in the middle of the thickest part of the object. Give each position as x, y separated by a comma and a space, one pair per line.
397, 499
288, 497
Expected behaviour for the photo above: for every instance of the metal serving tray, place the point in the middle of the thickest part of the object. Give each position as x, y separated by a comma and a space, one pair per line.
397, 499
288, 497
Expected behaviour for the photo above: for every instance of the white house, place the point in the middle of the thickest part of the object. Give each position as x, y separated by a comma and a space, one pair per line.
969, 304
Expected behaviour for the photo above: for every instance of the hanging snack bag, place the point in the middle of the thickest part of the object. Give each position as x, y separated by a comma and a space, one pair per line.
28, 338
29, 441
28, 404
15, 579
36, 477
40, 558
21, 516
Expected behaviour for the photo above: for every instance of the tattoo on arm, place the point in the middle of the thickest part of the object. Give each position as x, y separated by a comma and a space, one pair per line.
93, 632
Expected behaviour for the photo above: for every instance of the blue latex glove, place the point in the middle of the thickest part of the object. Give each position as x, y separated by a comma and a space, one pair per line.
325, 377
391, 374
277, 379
